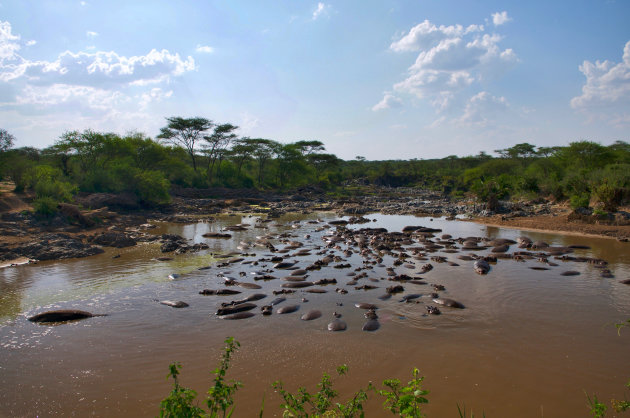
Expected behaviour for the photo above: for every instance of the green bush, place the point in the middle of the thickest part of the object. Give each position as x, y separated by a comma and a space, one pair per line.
45, 206
580, 200
152, 187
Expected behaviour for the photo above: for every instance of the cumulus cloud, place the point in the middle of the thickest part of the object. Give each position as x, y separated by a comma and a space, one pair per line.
101, 82
389, 101
481, 108
320, 10
451, 61
204, 49
30, 43
606, 93
9, 44
500, 18
91, 34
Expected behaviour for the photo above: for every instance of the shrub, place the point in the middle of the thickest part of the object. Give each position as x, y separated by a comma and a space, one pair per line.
580, 200
45, 206
152, 187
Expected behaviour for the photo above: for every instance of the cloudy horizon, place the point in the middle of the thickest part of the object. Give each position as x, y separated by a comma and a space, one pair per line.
384, 81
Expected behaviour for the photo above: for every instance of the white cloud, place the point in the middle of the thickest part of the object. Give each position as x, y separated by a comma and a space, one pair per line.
31, 43
606, 93
89, 86
83, 3
450, 62
99, 68
204, 49
248, 123
426, 34
9, 45
389, 101
59, 94
91, 34
320, 10
481, 108
155, 95
500, 18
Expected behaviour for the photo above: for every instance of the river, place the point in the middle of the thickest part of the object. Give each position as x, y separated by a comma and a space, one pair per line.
528, 344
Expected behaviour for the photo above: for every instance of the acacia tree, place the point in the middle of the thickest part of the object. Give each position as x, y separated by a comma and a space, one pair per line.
185, 133
6, 140
217, 143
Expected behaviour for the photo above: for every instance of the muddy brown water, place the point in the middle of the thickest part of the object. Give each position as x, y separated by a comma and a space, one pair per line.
528, 344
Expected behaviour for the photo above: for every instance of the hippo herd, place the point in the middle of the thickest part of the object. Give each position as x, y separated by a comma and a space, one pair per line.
415, 249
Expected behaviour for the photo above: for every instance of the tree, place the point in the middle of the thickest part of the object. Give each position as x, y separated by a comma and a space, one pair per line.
309, 147
523, 150
185, 133
6, 140
217, 143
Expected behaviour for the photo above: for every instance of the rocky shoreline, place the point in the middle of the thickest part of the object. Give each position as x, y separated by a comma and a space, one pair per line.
119, 221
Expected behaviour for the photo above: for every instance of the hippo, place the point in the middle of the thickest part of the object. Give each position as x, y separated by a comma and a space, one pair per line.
371, 314
248, 285
449, 302
288, 309
277, 301
297, 285
316, 291
310, 315
364, 305
481, 266
239, 315
408, 298
219, 292
337, 325
62, 315
284, 265
433, 310
235, 309
174, 304
570, 273
371, 325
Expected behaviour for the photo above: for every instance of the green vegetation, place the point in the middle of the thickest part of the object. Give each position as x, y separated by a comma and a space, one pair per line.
402, 400
199, 153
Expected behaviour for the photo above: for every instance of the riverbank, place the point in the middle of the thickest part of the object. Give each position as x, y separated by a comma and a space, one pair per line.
107, 220
562, 221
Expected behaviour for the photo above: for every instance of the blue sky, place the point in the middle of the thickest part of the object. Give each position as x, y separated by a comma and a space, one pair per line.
383, 80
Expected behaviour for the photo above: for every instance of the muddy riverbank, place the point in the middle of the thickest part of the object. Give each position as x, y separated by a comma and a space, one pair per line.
105, 220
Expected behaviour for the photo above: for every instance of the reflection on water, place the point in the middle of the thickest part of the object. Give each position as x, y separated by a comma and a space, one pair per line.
520, 328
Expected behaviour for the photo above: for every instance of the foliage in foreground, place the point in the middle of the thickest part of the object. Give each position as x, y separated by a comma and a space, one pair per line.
598, 409
402, 400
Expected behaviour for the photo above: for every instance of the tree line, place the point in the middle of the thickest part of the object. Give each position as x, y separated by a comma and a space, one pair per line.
198, 153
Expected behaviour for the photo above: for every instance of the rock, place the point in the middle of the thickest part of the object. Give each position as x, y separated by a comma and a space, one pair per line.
125, 201
56, 247
113, 239
73, 213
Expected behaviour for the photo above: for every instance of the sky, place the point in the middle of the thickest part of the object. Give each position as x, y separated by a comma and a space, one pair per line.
378, 79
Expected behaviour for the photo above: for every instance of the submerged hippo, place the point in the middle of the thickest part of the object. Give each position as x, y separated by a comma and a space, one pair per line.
174, 303
449, 302
62, 315
235, 309
371, 325
288, 309
310, 315
337, 325
239, 315
481, 266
